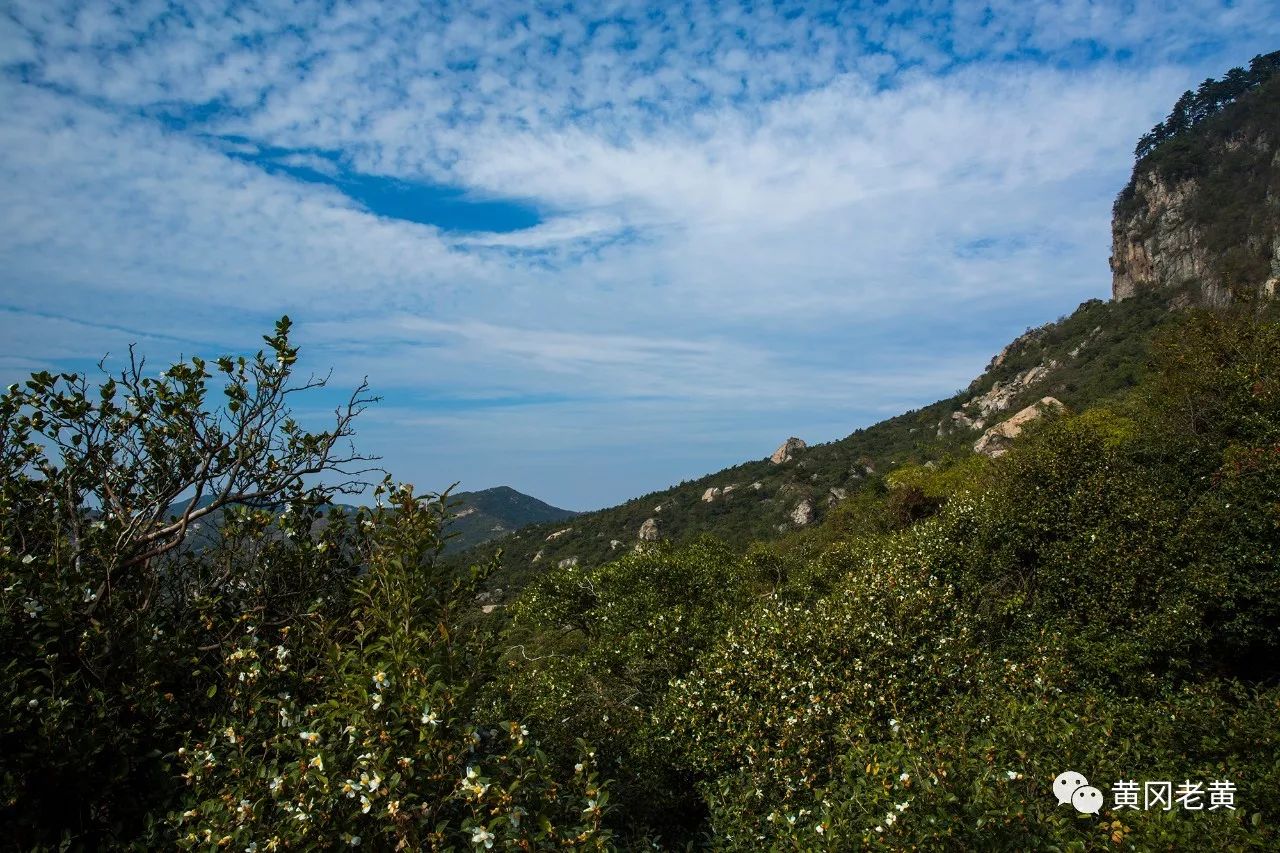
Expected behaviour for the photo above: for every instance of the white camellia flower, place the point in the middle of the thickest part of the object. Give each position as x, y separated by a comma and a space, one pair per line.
482, 836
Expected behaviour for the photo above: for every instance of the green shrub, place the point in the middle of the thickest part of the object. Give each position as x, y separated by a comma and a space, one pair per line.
362, 729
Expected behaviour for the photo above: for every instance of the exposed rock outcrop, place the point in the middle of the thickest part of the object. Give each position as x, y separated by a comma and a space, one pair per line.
1002, 394
717, 491
1015, 344
803, 513
1205, 212
1156, 246
567, 562
787, 450
554, 536
836, 495
996, 441
649, 531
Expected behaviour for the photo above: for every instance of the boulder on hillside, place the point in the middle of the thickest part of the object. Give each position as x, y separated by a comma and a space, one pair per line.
787, 450
717, 491
962, 419
552, 537
803, 513
996, 441
649, 531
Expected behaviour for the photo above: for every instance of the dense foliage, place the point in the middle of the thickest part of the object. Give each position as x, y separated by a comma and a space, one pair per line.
911, 673
1103, 597
301, 678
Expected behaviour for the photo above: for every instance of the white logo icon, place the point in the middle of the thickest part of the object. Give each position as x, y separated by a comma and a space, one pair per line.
1067, 783
1087, 799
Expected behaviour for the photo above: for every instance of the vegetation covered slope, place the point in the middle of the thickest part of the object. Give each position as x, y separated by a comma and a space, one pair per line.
1102, 598
911, 673
1084, 359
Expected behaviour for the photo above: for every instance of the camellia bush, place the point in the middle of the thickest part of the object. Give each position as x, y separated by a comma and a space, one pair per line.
590, 652
360, 729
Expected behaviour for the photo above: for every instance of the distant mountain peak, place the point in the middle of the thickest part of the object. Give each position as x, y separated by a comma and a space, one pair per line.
487, 514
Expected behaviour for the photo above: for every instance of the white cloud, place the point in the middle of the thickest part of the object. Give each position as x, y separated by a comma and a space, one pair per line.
761, 218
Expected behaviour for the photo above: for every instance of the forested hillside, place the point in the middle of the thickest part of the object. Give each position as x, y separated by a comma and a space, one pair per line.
1082, 360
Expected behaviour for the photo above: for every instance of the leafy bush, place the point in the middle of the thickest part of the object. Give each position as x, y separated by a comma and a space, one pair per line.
361, 728
593, 651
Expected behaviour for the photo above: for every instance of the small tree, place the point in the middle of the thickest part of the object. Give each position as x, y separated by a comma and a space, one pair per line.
111, 628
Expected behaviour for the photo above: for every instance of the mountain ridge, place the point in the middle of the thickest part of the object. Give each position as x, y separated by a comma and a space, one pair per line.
1209, 253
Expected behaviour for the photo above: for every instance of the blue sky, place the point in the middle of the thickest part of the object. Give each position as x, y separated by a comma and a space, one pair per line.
585, 250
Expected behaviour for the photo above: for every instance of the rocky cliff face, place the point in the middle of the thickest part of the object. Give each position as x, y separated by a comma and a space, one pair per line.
1157, 246
1201, 214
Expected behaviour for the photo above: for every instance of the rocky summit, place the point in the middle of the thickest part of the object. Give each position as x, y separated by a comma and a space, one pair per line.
787, 450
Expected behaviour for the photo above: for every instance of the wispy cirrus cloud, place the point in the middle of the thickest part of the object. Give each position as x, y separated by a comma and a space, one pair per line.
643, 227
